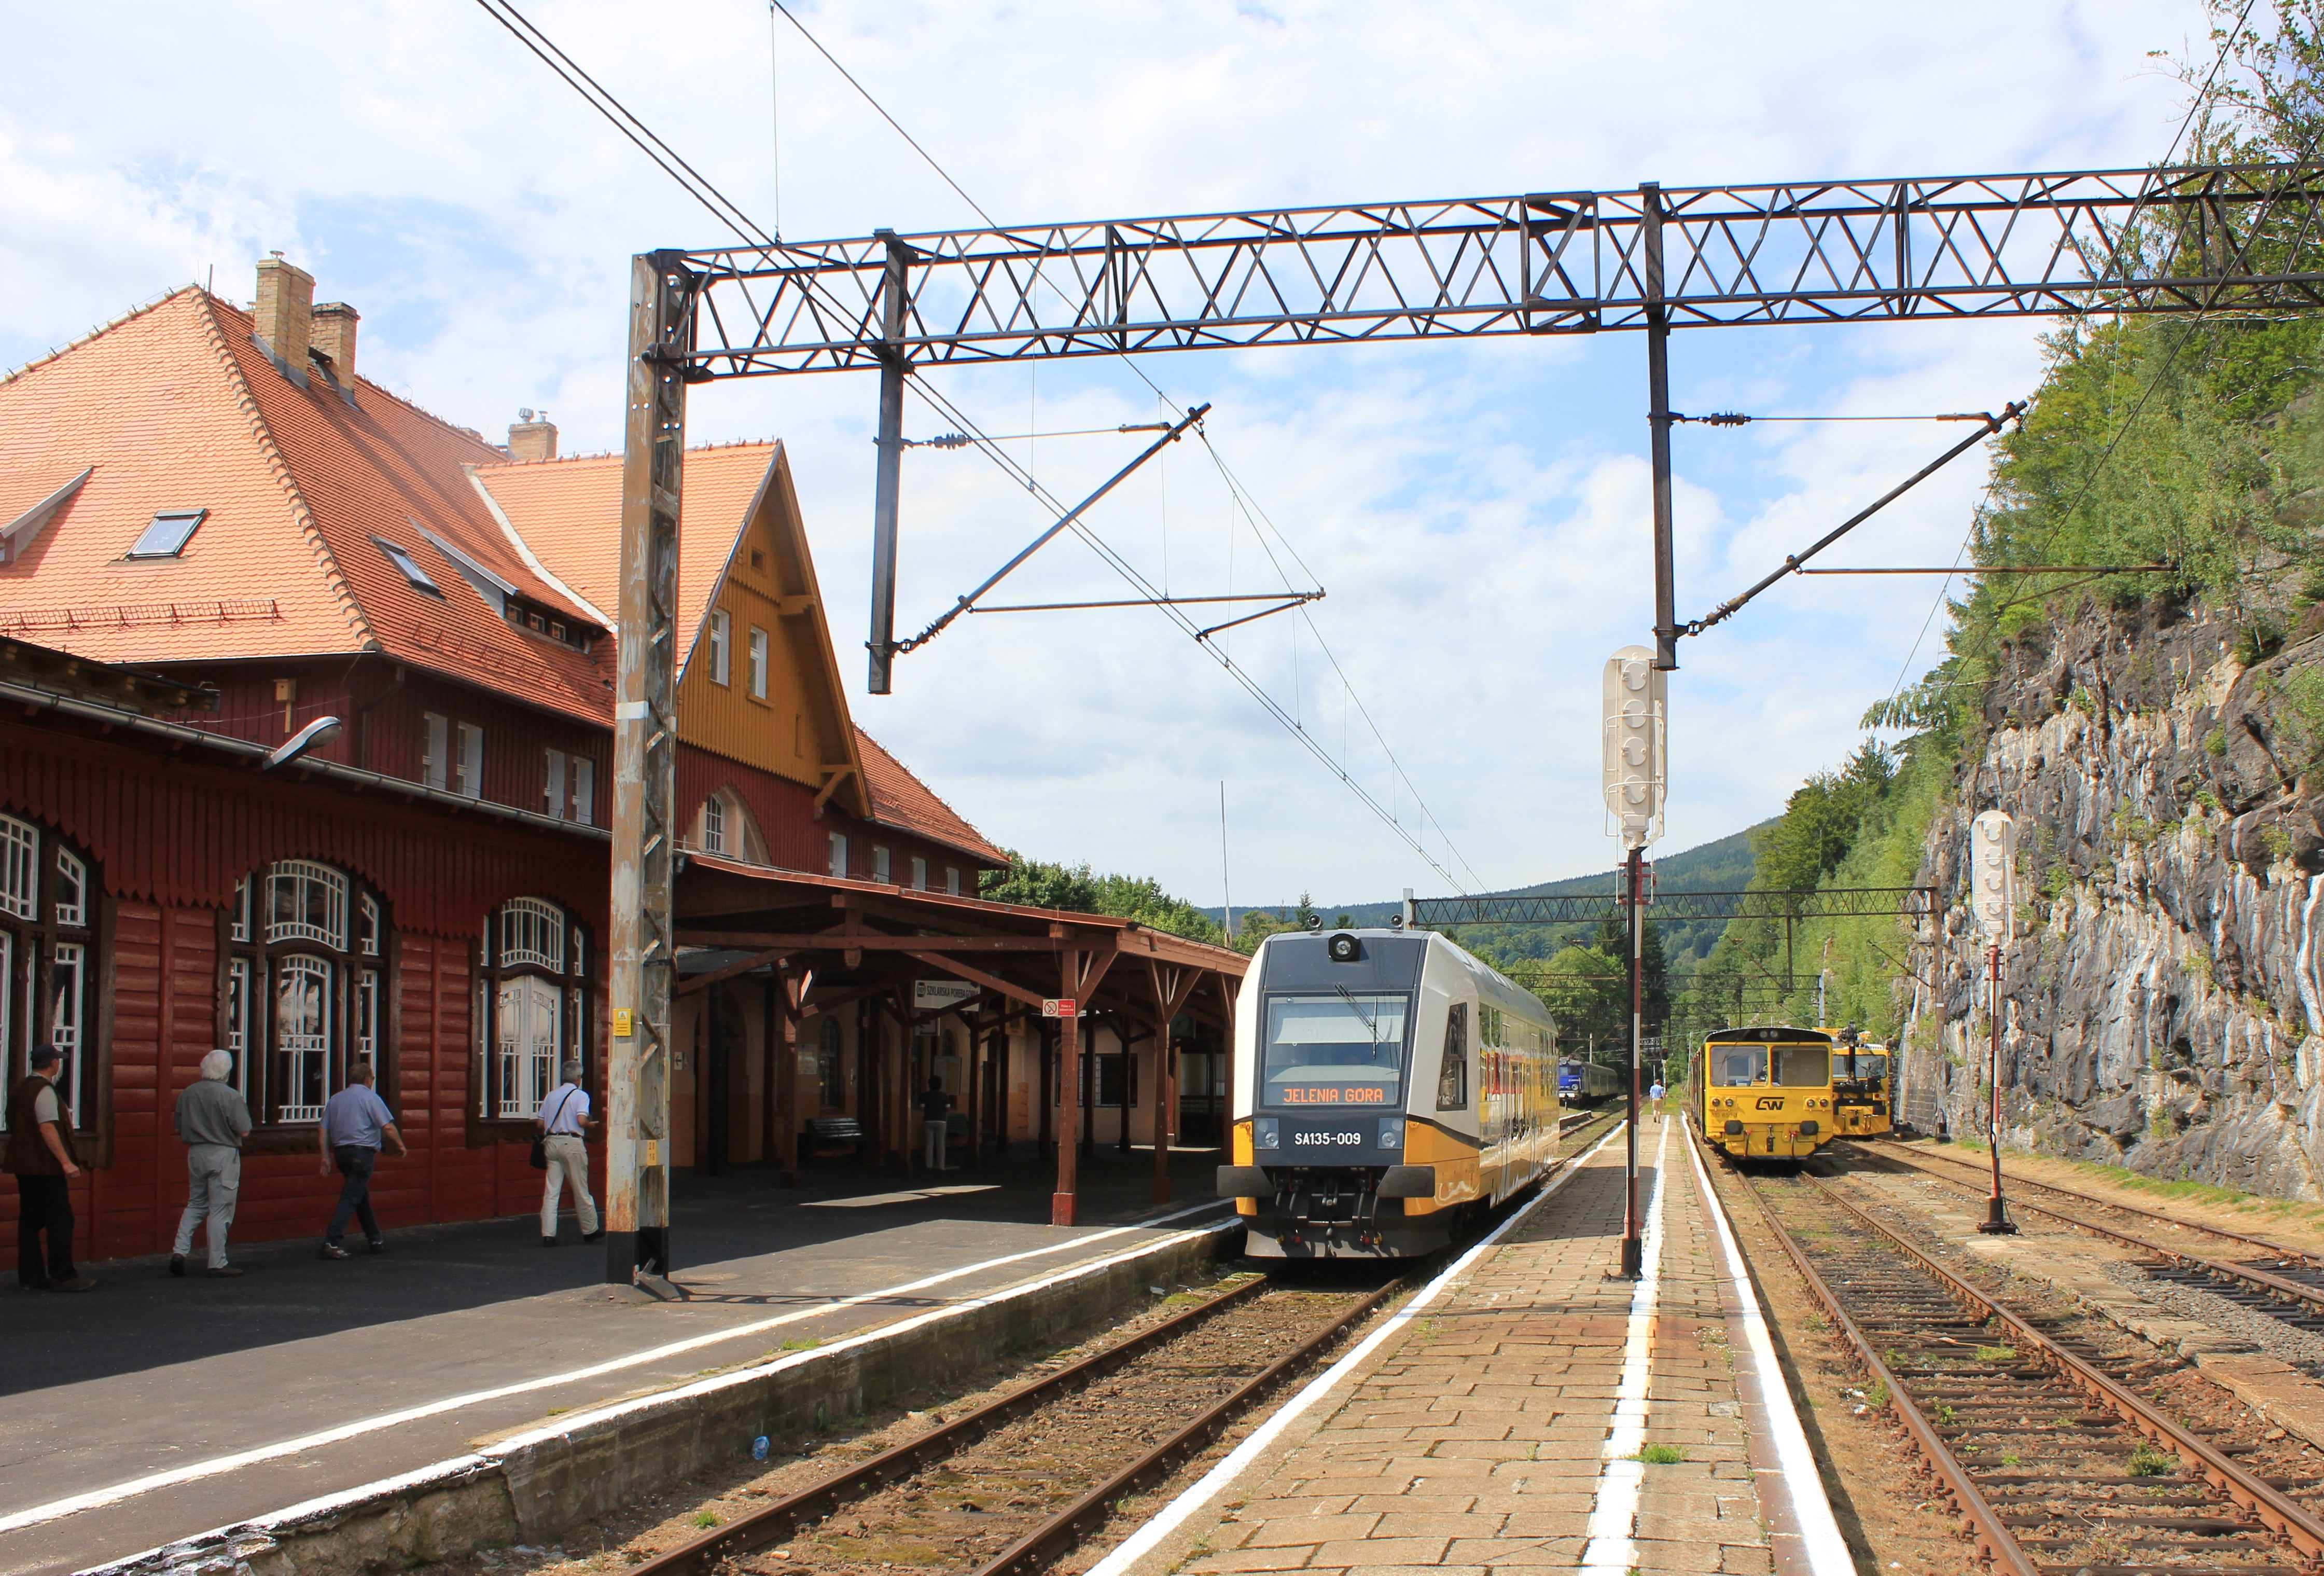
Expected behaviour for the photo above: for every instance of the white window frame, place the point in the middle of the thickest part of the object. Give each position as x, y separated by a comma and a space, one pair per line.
301, 875
714, 825
757, 660
471, 784
69, 1016
951, 881
73, 876
552, 784
838, 853
237, 1021
296, 1057
435, 750
919, 873
585, 790
370, 926
237, 927
527, 1069
721, 644
20, 868
370, 1016
880, 865
531, 934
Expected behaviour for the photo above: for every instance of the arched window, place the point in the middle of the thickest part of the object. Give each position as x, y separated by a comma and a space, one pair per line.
725, 827
48, 956
535, 995
305, 962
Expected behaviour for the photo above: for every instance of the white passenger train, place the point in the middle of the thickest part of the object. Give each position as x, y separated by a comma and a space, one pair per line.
1388, 1085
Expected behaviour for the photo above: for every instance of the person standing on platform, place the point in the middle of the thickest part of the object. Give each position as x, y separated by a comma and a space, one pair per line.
354, 1122
42, 1160
933, 1104
564, 1123
210, 1120
1655, 1094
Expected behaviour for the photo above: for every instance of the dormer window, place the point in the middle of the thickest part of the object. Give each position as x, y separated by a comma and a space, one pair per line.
167, 536
410, 569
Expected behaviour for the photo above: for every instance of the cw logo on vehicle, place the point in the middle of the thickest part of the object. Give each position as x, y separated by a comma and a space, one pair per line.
1771, 1102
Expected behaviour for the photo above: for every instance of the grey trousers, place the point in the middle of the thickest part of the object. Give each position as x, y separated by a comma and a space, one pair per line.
213, 1182
568, 1162
934, 1133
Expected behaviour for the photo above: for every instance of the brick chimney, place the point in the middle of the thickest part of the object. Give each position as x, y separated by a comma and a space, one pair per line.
334, 338
285, 314
531, 436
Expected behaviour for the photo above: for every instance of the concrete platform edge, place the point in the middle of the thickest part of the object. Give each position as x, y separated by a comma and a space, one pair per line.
534, 1485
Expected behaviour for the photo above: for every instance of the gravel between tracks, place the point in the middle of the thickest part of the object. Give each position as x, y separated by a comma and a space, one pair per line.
2300, 1348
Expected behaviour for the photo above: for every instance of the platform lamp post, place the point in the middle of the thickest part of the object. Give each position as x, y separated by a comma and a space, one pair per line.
1635, 695
1992, 901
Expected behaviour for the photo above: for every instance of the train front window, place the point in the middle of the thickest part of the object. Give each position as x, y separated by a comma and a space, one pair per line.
1343, 1050
1741, 1064
1870, 1068
1802, 1066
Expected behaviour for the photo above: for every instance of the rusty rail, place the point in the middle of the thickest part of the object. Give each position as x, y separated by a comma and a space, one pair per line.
778, 1521
2250, 1274
2273, 1510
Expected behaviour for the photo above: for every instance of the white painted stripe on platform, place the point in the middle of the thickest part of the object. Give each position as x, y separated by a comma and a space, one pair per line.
1216, 1481
1826, 1550
193, 1472
1612, 1549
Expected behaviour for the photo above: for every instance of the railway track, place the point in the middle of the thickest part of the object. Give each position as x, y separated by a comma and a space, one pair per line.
2058, 1466
2285, 1284
1007, 1488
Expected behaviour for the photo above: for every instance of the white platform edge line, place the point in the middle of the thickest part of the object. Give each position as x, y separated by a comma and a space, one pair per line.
194, 1472
1215, 1482
1827, 1551
1612, 1548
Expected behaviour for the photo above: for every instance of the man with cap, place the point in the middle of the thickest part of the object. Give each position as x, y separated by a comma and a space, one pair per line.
42, 1160
564, 1124
210, 1119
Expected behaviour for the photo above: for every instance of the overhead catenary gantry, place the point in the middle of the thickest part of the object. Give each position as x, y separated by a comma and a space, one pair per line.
2201, 238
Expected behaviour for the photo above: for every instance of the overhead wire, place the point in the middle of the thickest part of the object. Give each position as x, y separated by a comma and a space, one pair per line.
1293, 721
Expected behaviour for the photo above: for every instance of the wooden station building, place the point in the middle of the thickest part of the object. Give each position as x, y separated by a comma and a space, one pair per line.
214, 533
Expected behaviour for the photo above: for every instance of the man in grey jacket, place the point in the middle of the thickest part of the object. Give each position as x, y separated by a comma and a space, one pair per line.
211, 1119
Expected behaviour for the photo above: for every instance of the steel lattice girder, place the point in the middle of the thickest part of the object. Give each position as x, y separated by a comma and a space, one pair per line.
2208, 238
1848, 902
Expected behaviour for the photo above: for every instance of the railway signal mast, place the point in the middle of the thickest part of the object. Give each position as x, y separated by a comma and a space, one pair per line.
1993, 902
2186, 239
1633, 745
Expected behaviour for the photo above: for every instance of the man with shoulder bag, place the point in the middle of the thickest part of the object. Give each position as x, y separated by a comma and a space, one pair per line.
560, 1147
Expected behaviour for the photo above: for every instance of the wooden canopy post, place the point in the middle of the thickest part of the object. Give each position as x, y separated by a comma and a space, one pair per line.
1069, 1060
1172, 988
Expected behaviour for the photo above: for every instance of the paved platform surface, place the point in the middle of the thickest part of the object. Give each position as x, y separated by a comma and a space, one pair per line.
481, 1331
1477, 1443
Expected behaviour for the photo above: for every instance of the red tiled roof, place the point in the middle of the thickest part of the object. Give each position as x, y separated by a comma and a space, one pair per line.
178, 407
903, 801
569, 513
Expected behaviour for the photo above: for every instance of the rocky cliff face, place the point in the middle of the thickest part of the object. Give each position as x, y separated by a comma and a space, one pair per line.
2162, 1002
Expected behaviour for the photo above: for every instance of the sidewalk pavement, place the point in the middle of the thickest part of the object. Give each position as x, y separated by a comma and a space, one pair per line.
151, 1374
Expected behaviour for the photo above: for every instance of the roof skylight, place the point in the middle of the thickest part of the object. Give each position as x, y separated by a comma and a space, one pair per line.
167, 536
411, 570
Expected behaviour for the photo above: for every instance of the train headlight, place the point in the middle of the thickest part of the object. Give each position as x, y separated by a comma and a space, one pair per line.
1264, 1134
1345, 948
1391, 1134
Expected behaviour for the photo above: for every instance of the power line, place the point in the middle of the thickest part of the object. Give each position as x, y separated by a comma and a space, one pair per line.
1293, 722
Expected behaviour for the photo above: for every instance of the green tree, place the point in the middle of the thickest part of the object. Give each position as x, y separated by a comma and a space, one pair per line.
1040, 884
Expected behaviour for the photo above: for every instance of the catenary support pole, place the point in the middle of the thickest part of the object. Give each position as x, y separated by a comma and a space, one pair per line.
888, 478
1633, 1243
1996, 1213
1658, 419
642, 950
1069, 1097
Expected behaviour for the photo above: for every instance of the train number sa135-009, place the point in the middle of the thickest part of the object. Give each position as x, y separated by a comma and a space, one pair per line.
1327, 1094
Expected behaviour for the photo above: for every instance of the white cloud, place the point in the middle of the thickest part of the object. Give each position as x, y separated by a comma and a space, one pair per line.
1479, 514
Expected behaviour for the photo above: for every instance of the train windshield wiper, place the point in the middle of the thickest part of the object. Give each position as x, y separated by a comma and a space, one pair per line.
1371, 1026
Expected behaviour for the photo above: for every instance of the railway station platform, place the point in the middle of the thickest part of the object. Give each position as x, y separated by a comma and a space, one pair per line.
1501, 1427
154, 1409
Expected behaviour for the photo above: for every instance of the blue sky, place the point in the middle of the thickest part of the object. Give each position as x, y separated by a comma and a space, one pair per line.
1478, 513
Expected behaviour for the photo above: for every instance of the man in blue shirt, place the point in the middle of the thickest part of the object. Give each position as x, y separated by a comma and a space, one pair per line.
355, 1121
